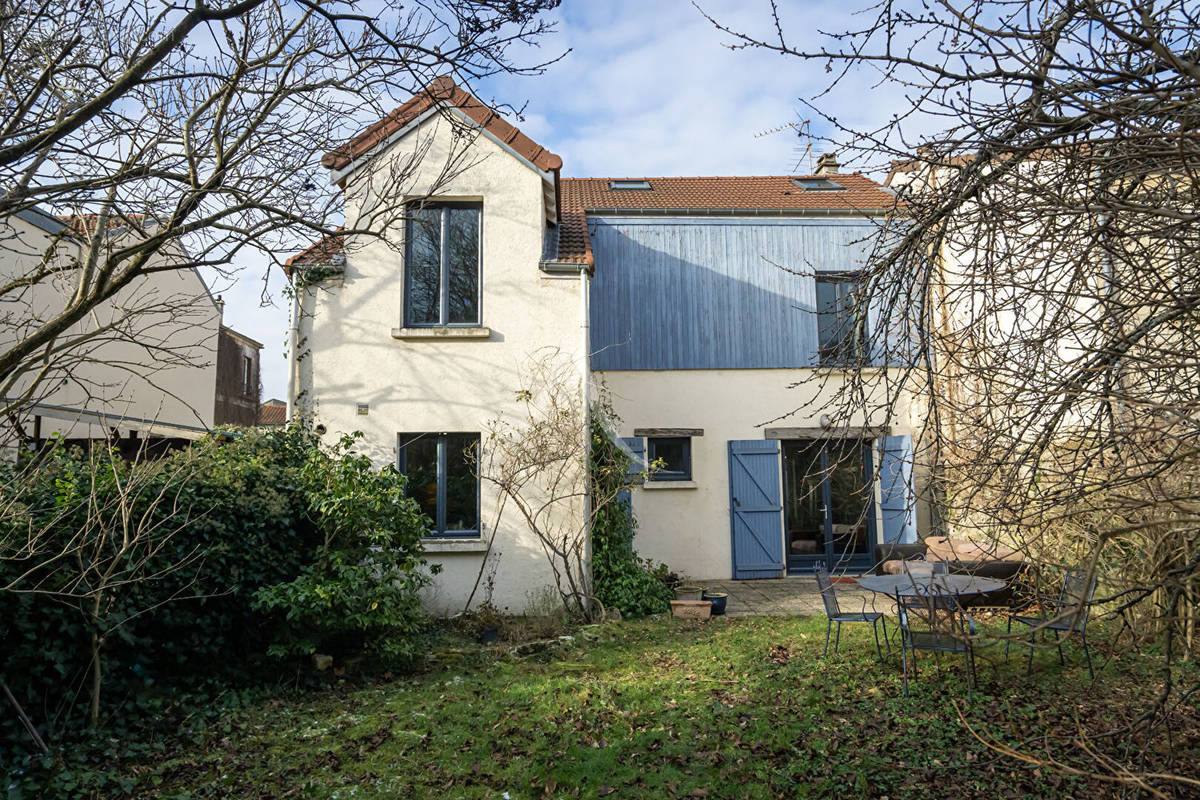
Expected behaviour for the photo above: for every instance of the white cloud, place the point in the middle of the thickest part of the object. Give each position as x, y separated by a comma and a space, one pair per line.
648, 89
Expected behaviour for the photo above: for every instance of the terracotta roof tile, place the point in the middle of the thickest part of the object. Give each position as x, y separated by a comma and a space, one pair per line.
776, 193
772, 193
272, 414
443, 90
319, 252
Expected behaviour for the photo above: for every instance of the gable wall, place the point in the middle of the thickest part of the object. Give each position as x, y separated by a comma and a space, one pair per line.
349, 354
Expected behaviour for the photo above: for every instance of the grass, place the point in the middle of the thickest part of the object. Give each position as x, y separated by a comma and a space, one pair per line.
741, 708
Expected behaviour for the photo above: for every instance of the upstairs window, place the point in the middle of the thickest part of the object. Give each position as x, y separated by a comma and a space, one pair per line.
440, 468
630, 184
670, 458
841, 320
441, 265
248, 386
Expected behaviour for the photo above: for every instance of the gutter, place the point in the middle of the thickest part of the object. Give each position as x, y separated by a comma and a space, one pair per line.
736, 212
72, 414
293, 340
585, 398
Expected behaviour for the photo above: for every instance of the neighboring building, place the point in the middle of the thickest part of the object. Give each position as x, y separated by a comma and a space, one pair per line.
273, 412
142, 364
669, 291
238, 382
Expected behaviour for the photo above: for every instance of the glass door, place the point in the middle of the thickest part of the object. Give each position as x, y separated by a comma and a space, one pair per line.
828, 504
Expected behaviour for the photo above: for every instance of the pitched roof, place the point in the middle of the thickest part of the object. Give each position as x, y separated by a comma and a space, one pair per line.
442, 90
684, 196
776, 193
272, 413
319, 252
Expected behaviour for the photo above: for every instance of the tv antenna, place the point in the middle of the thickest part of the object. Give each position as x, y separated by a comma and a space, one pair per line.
804, 132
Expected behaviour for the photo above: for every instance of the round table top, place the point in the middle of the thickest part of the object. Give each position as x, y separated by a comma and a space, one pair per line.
914, 585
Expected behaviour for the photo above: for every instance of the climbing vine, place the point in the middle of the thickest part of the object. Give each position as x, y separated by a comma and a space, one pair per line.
622, 579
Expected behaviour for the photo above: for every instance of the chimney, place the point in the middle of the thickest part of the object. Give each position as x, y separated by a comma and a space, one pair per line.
827, 164
221, 306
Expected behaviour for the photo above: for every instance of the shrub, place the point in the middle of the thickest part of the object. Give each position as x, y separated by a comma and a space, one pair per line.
622, 579
266, 539
360, 588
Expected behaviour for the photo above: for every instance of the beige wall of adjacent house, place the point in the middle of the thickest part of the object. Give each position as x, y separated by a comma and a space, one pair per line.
689, 528
353, 352
153, 357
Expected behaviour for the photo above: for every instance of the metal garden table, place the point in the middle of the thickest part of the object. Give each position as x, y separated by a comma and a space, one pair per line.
920, 585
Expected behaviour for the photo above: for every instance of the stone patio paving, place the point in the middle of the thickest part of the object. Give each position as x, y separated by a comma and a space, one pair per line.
789, 596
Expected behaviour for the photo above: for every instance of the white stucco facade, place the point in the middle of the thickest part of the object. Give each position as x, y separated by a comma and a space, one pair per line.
688, 526
144, 361
359, 369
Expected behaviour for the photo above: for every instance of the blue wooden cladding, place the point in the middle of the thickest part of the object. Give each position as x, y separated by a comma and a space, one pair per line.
714, 293
897, 504
756, 508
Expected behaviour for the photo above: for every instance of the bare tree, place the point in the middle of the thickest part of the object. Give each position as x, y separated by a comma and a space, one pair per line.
1037, 288
538, 462
196, 130
108, 528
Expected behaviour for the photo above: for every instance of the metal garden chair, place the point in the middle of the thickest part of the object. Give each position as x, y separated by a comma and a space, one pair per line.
834, 613
1069, 614
949, 630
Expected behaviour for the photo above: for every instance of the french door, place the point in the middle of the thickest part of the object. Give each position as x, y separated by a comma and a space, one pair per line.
829, 504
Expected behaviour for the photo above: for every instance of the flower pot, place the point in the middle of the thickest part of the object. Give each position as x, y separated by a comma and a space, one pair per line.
688, 592
718, 600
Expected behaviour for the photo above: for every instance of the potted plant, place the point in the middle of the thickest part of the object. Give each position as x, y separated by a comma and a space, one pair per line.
718, 600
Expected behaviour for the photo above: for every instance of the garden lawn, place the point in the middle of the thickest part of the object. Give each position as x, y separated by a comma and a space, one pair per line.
739, 708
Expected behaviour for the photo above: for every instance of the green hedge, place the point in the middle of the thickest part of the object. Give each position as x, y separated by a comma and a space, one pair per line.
286, 547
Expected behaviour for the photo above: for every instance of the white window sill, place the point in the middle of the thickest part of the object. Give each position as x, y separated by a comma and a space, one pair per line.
439, 545
419, 334
670, 485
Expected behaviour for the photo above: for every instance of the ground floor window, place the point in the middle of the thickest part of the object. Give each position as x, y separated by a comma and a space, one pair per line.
440, 468
670, 458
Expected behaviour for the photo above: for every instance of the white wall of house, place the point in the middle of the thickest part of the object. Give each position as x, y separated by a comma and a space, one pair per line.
353, 351
151, 366
688, 527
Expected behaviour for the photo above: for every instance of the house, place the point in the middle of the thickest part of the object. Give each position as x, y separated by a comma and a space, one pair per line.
696, 303
238, 385
138, 367
272, 412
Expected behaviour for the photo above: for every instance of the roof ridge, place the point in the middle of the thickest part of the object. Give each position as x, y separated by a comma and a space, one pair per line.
441, 89
718, 177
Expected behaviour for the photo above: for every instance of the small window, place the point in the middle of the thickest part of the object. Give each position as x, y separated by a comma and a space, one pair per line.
630, 184
817, 184
670, 458
440, 468
247, 375
842, 333
441, 260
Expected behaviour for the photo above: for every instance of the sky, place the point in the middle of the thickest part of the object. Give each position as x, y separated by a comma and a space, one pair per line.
648, 89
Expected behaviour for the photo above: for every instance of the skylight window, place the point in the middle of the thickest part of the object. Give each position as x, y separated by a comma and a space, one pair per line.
630, 184
817, 184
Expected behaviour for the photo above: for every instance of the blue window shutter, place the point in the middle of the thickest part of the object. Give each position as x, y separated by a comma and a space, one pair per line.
635, 448
756, 508
898, 501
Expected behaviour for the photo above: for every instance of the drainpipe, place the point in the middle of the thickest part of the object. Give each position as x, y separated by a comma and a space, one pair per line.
293, 341
585, 397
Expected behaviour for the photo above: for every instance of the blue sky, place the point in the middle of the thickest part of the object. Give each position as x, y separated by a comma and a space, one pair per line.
648, 89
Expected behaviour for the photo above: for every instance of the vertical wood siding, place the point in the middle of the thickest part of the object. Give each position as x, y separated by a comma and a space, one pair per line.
713, 293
